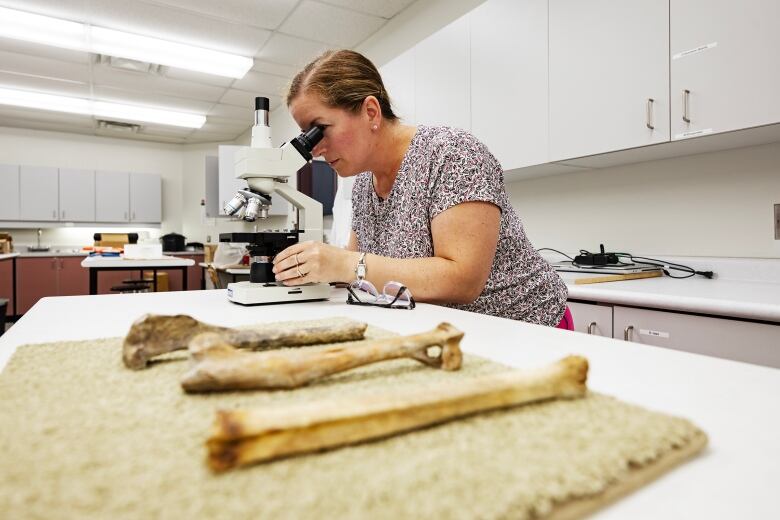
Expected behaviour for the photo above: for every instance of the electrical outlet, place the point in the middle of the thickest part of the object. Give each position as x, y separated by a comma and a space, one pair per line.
777, 221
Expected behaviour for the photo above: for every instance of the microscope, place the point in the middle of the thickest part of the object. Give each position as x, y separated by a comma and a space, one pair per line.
267, 171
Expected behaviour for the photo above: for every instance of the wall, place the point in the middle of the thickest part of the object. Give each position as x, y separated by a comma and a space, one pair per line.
41, 148
714, 204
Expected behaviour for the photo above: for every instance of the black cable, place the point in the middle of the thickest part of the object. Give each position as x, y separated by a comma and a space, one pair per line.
551, 249
666, 266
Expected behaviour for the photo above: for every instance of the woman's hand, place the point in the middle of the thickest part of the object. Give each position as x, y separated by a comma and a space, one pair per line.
308, 262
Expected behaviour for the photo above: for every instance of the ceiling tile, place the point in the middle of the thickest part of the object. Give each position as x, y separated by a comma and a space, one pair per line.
267, 14
44, 85
330, 24
149, 99
262, 84
150, 83
170, 23
43, 51
74, 10
234, 113
291, 51
204, 137
383, 8
277, 69
43, 67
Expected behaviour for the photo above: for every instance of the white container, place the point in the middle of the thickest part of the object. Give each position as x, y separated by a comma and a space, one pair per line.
143, 251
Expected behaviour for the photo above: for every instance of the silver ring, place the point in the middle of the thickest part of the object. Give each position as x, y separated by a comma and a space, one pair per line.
300, 274
297, 263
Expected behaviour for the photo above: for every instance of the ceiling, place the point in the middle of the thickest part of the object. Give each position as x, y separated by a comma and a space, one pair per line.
281, 35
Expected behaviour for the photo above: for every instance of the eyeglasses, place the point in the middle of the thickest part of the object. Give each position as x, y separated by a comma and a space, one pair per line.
394, 295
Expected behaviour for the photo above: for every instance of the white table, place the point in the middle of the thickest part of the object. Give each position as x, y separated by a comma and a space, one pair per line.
737, 404
96, 264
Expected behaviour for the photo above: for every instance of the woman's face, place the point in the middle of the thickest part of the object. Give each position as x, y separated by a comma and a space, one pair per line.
345, 141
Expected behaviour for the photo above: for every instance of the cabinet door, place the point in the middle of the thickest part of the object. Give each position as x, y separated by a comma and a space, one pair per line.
36, 278
39, 193
72, 280
228, 184
592, 318
9, 192
509, 80
725, 54
112, 196
608, 58
145, 198
7, 285
757, 343
77, 195
441, 77
398, 77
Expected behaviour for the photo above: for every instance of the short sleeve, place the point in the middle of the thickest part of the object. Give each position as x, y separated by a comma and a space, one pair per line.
464, 170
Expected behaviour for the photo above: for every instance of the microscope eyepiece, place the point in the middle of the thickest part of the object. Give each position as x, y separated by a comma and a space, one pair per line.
306, 142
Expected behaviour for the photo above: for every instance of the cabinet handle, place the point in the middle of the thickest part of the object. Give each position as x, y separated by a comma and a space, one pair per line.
649, 114
62, 264
125, 215
54, 263
592, 327
133, 216
63, 214
686, 99
627, 332
54, 213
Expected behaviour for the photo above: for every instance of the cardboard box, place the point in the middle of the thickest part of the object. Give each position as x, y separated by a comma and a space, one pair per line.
162, 280
6, 244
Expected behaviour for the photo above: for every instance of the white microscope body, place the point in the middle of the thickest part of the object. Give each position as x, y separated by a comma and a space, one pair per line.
267, 171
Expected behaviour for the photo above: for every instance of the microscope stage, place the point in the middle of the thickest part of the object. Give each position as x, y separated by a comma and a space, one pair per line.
247, 293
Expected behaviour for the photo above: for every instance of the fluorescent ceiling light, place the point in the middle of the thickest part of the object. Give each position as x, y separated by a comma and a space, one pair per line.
37, 28
21, 98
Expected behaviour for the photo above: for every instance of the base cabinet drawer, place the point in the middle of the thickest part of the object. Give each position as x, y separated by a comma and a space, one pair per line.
592, 318
757, 343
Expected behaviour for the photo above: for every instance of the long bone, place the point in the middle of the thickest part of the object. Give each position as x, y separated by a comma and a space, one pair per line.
242, 437
154, 334
218, 366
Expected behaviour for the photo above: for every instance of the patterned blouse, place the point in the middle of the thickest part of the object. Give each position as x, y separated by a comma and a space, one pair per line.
442, 168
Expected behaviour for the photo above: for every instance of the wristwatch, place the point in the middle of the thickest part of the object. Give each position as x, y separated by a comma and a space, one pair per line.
360, 268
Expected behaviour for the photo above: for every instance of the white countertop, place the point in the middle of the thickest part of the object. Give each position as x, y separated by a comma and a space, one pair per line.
8, 256
117, 261
78, 252
735, 403
737, 298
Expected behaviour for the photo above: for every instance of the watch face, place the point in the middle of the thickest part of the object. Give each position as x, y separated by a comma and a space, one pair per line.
361, 271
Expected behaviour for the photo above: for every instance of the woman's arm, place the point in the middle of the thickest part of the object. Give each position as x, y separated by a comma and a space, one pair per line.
465, 238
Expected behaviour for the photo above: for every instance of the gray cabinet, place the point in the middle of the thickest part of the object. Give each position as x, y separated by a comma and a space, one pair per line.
738, 340
77, 195
592, 318
9, 192
145, 198
724, 67
112, 196
39, 198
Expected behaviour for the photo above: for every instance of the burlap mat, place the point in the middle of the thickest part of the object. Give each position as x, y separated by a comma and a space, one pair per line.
83, 437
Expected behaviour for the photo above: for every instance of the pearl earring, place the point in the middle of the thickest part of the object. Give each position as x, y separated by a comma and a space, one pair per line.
374, 127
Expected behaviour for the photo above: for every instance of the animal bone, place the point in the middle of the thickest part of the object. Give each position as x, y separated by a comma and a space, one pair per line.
218, 366
153, 334
242, 437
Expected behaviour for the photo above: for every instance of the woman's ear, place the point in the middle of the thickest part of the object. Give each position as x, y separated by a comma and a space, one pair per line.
372, 111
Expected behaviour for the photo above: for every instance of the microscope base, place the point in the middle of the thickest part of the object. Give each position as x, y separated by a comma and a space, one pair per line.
247, 293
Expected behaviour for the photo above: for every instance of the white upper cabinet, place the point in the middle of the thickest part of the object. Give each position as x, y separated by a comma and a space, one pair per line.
9, 192
509, 80
725, 65
145, 198
39, 193
112, 196
609, 75
441, 77
398, 77
77, 195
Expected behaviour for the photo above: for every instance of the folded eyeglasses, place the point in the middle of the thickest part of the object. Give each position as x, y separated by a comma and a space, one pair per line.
394, 295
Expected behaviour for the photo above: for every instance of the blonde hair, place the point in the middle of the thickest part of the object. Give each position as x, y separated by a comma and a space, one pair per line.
343, 79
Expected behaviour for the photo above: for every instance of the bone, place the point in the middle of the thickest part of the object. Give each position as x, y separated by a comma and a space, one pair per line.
244, 437
219, 367
153, 335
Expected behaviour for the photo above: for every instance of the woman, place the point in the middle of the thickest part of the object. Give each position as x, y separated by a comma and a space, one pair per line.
429, 205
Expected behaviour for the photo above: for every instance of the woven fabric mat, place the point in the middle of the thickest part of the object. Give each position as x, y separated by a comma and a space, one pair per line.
84, 437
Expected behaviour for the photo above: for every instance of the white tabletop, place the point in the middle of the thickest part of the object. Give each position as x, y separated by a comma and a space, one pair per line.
8, 256
735, 403
120, 262
737, 298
